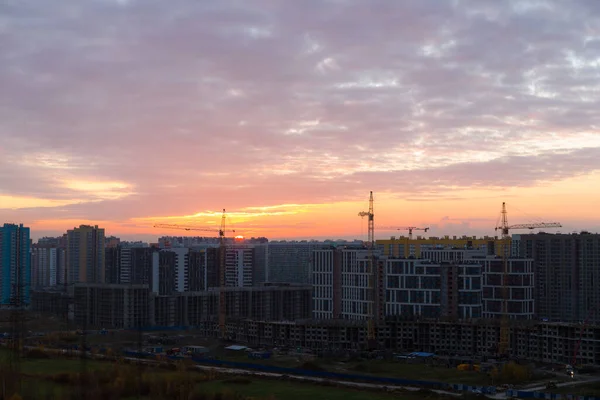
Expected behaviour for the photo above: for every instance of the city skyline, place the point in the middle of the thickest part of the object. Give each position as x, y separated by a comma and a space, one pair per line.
124, 114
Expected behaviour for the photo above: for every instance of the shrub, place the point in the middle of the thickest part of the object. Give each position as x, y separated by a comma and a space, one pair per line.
37, 353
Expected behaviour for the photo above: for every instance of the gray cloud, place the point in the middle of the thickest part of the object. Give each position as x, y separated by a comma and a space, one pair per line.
196, 104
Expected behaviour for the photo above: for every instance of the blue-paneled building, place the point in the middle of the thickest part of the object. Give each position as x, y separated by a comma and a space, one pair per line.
15, 265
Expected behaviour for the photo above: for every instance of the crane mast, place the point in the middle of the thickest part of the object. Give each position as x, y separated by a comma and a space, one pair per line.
504, 229
222, 297
504, 326
371, 334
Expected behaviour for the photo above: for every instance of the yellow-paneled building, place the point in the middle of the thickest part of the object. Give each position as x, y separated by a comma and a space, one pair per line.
404, 247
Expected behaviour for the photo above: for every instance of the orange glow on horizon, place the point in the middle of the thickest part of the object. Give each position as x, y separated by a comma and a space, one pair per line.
456, 212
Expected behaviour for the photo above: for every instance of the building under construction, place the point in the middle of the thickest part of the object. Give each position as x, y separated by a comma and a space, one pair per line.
263, 303
405, 247
111, 306
129, 306
534, 341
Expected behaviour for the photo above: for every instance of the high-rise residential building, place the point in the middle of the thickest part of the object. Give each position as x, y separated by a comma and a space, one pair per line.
289, 261
47, 263
454, 283
589, 278
15, 265
556, 270
325, 266
48, 260
85, 255
434, 289
520, 287
169, 271
567, 273
128, 263
239, 266
341, 284
112, 241
112, 265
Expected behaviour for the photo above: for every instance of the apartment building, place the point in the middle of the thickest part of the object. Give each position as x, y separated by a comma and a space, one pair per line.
15, 265
342, 282
588, 282
420, 287
520, 287
239, 266
325, 265
47, 264
453, 283
290, 261
567, 271
557, 272
85, 255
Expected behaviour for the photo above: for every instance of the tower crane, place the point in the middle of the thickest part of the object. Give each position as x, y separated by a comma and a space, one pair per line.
410, 229
505, 229
222, 251
371, 334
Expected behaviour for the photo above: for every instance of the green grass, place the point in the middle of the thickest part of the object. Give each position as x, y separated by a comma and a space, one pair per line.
38, 387
302, 391
53, 366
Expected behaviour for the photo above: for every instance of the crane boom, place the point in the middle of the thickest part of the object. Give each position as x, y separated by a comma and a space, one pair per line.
185, 228
410, 229
536, 226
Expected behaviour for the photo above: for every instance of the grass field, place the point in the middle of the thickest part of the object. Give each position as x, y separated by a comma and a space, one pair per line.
37, 383
302, 391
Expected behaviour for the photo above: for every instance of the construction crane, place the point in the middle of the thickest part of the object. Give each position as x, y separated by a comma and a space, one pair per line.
222, 253
371, 334
505, 229
410, 229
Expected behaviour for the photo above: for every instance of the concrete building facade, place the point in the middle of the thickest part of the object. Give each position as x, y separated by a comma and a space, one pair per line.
263, 303
290, 261
107, 306
567, 271
46, 265
520, 287
556, 268
15, 265
85, 255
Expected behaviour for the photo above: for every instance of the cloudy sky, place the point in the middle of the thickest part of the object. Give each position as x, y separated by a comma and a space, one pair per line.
127, 113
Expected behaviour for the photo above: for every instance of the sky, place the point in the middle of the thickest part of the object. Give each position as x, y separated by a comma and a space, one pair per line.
125, 114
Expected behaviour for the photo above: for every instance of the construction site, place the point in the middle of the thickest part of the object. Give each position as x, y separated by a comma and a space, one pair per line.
469, 308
